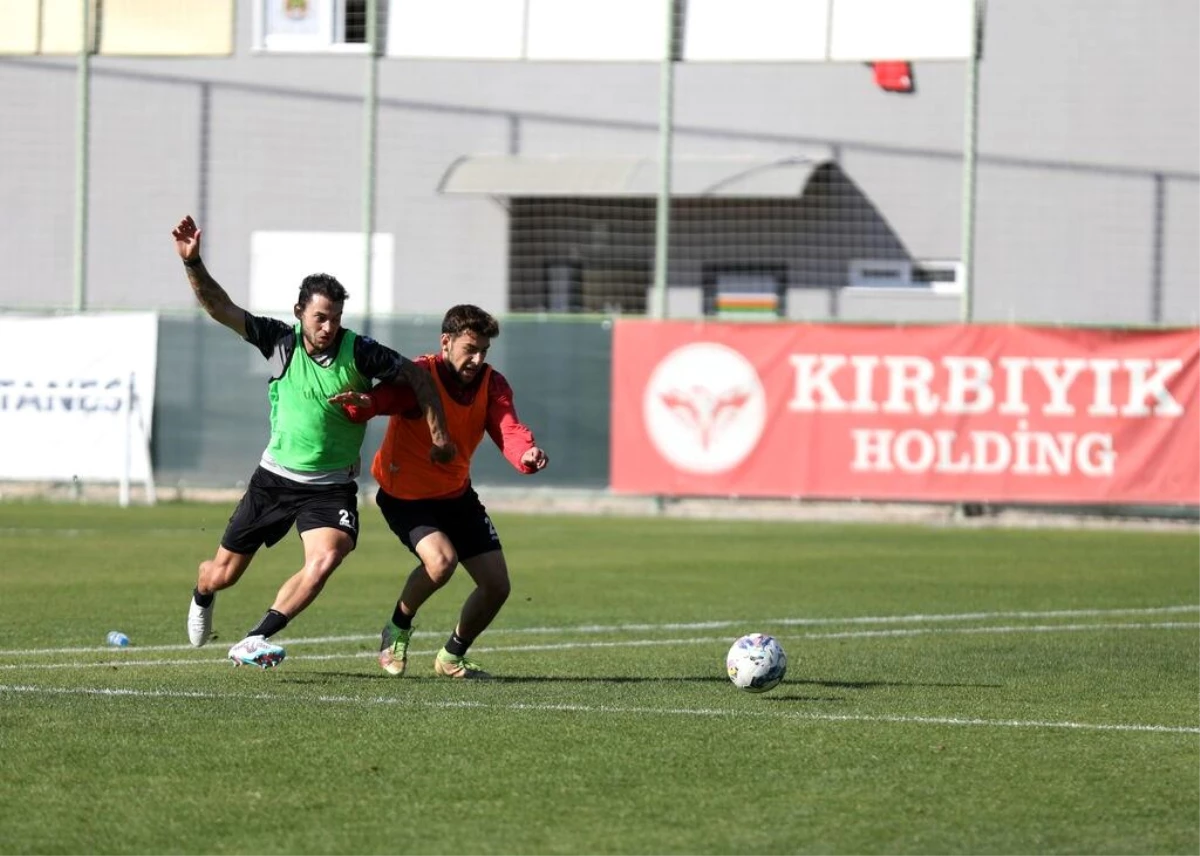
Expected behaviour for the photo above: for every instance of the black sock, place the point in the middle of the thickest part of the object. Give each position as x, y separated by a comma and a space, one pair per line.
457, 646
401, 619
270, 624
204, 601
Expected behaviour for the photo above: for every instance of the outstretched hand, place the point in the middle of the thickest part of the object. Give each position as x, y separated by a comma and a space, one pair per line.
535, 459
354, 399
187, 239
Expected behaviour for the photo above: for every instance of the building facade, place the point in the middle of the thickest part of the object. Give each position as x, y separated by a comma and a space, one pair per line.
800, 189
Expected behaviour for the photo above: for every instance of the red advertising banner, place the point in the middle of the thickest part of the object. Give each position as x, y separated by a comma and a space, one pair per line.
944, 413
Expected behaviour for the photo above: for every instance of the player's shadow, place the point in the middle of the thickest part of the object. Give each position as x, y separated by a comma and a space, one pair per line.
792, 689
608, 679
324, 676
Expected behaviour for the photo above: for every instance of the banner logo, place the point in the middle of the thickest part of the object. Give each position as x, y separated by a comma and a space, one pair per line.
705, 408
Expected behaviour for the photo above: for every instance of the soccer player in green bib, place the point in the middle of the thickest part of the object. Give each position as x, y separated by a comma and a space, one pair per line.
306, 476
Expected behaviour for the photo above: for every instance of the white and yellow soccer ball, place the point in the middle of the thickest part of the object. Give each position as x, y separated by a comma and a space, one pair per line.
756, 663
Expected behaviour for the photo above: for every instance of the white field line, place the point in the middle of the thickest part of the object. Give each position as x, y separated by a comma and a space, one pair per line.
868, 619
602, 709
633, 643
699, 625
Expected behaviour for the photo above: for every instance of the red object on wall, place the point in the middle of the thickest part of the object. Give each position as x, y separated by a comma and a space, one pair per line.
894, 76
952, 413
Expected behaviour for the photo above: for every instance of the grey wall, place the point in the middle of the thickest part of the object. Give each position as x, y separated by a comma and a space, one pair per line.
1088, 176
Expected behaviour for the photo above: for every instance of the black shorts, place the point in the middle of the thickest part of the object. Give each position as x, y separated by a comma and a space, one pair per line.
462, 519
272, 504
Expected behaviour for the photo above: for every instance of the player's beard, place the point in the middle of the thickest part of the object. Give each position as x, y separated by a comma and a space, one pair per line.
314, 346
467, 372
456, 370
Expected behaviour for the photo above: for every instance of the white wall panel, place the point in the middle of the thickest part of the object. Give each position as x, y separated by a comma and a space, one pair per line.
757, 30
597, 30
865, 30
457, 29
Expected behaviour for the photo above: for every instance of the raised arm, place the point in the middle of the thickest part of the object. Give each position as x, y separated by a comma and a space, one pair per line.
210, 294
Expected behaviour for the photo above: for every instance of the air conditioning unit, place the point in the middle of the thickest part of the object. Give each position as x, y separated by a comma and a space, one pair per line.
938, 276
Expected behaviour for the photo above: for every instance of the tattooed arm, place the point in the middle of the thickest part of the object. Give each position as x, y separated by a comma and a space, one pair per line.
430, 402
210, 294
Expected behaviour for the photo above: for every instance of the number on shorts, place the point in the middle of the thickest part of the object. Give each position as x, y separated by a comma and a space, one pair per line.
346, 520
491, 528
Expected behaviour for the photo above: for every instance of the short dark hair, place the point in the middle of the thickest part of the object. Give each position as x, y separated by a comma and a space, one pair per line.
465, 317
323, 284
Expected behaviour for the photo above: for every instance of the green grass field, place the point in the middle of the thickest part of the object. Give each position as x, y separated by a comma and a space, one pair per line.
949, 691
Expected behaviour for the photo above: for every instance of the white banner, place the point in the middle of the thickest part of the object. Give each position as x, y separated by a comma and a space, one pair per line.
77, 397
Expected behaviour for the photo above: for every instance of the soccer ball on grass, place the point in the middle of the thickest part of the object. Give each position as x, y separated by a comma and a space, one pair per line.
756, 663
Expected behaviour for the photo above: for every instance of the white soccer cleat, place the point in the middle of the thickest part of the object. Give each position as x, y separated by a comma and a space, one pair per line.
200, 623
256, 651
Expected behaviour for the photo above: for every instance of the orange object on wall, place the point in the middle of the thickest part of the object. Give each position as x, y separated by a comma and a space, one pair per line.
954, 413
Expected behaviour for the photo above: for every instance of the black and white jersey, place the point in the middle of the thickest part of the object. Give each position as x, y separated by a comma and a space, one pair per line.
277, 341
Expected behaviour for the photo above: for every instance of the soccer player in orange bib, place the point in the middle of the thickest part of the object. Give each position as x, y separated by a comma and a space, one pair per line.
432, 507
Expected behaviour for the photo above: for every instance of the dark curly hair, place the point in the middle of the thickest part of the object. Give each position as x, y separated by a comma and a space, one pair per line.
465, 317
323, 284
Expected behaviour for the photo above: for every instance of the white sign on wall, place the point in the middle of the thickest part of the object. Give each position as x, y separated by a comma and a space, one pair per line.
757, 30
713, 30
494, 29
296, 25
865, 30
77, 398
596, 30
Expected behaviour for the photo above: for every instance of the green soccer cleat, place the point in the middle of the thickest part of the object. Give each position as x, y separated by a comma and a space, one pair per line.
393, 649
446, 665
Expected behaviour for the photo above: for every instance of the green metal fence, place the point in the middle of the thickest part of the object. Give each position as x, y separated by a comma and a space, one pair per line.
210, 419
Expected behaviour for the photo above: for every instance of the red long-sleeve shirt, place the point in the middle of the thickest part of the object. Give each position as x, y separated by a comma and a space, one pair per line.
502, 424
